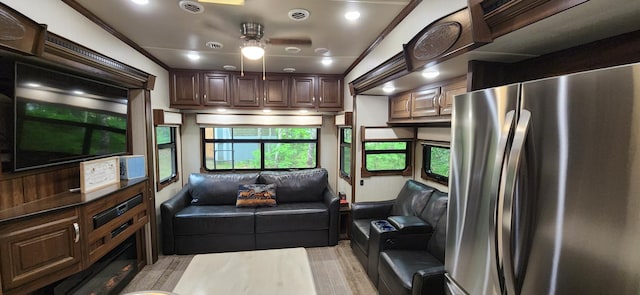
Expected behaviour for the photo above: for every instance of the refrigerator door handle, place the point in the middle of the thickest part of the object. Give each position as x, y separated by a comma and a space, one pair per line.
506, 134
513, 166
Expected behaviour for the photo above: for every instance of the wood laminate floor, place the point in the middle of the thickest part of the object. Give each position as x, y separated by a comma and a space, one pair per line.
336, 271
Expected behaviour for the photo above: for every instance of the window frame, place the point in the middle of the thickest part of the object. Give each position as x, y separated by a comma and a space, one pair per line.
262, 143
173, 146
408, 151
343, 145
425, 171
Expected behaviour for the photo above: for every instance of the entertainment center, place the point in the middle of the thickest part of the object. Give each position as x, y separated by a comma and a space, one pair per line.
53, 238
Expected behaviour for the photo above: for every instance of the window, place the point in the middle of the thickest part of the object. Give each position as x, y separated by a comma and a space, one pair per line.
167, 155
435, 165
258, 148
386, 158
345, 153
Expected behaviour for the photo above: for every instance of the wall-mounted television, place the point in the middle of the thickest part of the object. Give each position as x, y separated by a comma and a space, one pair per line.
64, 118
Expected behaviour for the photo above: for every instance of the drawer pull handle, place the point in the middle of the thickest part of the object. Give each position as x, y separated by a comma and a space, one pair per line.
76, 228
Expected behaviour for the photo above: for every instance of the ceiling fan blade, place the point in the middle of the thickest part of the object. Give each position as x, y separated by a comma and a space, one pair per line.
289, 41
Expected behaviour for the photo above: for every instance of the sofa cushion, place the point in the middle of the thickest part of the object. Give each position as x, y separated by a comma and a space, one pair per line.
297, 186
360, 234
218, 219
292, 217
256, 195
217, 189
412, 198
396, 268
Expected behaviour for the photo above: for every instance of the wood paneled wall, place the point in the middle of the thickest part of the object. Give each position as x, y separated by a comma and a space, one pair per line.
16, 190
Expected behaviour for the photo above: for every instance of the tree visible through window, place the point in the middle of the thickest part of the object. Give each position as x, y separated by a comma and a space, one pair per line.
436, 162
345, 152
386, 156
167, 160
256, 148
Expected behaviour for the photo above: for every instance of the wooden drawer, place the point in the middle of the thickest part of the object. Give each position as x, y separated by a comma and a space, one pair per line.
40, 250
104, 238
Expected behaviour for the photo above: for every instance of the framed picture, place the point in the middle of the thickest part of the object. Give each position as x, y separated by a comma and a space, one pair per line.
96, 174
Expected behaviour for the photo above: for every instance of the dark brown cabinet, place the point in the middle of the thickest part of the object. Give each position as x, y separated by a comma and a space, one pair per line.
276, 91
40, 250
329, 92
185, 88
246, 90
192, 89
199, 90
216, 89
321, 92
303, 91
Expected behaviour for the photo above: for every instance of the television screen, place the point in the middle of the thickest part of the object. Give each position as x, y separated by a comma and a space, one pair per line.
62, 118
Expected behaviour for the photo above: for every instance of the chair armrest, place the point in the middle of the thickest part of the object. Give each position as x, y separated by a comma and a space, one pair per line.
371, 210
333, 203
410, 224
168, 209
428, 281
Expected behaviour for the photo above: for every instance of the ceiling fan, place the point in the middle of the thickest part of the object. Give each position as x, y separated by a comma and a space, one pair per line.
252, 34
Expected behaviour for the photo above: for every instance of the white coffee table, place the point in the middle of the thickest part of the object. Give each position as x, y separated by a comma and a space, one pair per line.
278, 271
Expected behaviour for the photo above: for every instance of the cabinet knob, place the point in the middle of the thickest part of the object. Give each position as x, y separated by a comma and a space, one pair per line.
76, 228
204, 96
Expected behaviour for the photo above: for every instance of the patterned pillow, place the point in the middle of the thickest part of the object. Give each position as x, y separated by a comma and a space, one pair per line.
256, 195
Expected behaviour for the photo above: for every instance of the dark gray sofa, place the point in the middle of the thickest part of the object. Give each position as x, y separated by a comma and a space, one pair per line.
203, 217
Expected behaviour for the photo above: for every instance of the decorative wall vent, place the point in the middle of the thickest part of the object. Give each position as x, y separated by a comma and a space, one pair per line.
445, 38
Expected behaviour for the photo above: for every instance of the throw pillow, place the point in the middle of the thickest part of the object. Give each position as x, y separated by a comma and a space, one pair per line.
256, 195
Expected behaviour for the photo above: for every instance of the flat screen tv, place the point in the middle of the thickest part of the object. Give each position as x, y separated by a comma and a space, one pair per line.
64, 118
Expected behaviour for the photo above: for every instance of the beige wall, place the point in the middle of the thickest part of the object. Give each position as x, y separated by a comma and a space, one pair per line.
379, 188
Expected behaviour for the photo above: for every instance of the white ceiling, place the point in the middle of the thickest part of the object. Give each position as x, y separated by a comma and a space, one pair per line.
169, 33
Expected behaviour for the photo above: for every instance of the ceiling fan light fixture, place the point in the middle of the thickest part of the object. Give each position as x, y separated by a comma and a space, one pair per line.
252, 52
227, 2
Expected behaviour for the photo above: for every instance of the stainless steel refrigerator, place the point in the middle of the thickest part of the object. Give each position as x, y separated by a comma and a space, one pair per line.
545, 187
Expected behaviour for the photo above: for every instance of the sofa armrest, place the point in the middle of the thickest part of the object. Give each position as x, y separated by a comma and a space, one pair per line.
168, 209
371, 210
333, 203
428, 281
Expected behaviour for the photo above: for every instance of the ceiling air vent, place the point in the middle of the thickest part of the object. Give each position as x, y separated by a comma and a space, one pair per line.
191, 6
214, 45
298, 14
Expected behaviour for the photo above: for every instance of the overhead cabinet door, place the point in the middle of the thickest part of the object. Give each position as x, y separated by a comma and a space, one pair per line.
425, 103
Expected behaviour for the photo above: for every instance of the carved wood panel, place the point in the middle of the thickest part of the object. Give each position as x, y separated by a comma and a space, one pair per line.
19, 33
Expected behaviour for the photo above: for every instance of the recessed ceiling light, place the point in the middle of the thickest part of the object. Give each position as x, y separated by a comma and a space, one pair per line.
321, 50
33, 85
327, 61
388, 88
221, 110
78, 92
229, 67
429, 74
289, 70
191, 6
292, 49
193, 56
140, 2
303, 111
266, 111
352, 15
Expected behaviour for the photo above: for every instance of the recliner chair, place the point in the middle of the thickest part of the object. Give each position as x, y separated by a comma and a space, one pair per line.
411, 202
413, 268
